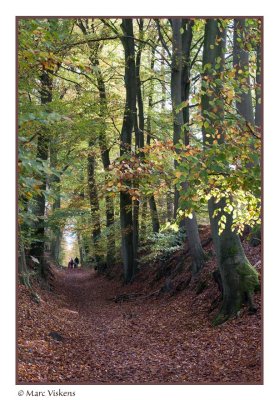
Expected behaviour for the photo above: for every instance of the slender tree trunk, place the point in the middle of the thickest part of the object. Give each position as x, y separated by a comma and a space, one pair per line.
169, 197
94, 203
187, 36
154, 215
55, 183
151, 200
169, 200
176, 78
139, 132
126, 216
143, 221
81, 250
37, 247
239, 279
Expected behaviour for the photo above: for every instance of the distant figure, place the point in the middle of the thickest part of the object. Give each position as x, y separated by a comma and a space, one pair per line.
71, 263
76, 262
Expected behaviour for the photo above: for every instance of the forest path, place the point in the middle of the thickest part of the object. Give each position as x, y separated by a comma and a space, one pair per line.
122, 342
148, 340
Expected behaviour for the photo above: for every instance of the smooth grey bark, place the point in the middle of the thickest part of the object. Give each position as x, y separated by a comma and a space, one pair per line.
126, 206
239, 278
139, 137
180, 89
37, 247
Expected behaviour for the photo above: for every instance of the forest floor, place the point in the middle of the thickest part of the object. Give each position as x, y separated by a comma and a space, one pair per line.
94, 330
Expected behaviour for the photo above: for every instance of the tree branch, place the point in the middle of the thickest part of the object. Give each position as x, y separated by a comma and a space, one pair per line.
161, 38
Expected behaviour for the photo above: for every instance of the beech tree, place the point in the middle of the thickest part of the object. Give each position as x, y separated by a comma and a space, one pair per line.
126, 216
239, 279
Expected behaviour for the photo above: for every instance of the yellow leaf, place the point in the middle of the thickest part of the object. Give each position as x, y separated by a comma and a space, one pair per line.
178, 174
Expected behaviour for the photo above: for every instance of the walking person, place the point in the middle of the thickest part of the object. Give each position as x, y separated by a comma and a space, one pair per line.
71, 263
76, 262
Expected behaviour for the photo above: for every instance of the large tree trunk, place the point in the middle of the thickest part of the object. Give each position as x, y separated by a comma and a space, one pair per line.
139, 139
239, 279
126, 215
180, 88
37, 247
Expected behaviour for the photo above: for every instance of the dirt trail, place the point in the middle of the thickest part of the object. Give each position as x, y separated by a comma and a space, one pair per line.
154, 340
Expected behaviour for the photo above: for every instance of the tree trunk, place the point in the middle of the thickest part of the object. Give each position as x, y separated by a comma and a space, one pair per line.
169, 197
239, 279
152, 201
94, 204
37, 247
126, 216
180, 87
154, 215
55, 183
176, 79
81, 250
143, 221
187, 36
